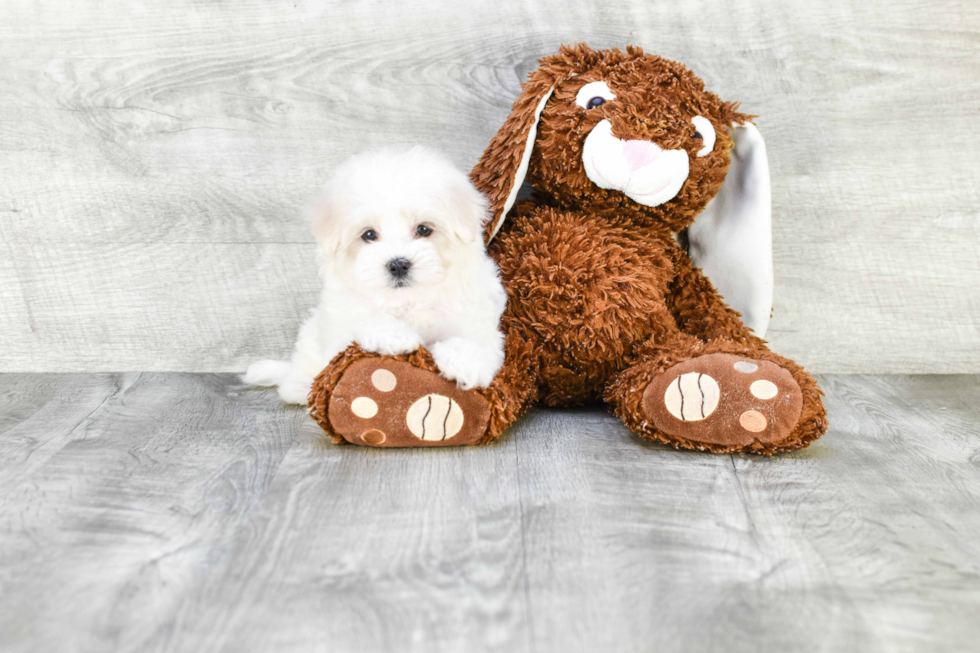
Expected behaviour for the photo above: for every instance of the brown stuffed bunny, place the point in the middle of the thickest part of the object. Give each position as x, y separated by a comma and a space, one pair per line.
624, 150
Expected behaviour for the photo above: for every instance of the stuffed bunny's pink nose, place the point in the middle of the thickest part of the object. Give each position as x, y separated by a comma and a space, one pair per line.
640, 153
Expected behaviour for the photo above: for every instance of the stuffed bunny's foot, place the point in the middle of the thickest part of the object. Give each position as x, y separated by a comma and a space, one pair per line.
724, 400
390, 403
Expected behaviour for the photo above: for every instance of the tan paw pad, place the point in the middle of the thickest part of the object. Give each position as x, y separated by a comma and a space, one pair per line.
763, 389
752, 420
434, 417
692, 397
384, 380
364, 407
374, 437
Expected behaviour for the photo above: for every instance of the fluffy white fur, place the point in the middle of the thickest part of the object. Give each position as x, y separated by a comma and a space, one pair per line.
451, 298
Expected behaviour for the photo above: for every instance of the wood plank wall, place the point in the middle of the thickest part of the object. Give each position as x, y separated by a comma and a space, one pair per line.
155, 157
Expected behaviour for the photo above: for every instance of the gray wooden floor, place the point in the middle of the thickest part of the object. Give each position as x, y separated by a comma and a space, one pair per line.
180, 512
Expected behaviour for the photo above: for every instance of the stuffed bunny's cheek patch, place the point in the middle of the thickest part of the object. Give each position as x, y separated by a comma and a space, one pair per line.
642, 170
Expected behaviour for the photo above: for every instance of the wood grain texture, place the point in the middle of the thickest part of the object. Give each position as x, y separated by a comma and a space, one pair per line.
102, 532
179, 512
155, 160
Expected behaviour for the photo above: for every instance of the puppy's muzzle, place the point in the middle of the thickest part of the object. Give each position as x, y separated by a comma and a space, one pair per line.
398, 269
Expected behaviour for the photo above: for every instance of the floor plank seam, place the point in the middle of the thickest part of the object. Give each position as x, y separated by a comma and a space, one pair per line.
121, 388
745, 502
528, 608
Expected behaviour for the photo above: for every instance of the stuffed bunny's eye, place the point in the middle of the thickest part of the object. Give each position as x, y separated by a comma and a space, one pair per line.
705, 133
593, 94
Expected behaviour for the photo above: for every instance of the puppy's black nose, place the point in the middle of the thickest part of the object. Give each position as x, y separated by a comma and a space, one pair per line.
398, 267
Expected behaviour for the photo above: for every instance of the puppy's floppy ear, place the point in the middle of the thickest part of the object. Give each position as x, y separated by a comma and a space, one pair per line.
325, 228
468, 207
503, 166
731, 241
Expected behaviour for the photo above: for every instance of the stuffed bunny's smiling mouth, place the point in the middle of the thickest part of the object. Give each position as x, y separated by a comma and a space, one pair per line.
642, 170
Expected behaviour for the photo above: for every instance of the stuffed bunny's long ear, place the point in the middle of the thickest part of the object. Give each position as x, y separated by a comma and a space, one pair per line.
731, 241
503, 166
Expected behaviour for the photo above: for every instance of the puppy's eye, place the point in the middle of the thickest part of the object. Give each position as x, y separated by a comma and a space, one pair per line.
705, 133
424, 231
594, 94
369, 235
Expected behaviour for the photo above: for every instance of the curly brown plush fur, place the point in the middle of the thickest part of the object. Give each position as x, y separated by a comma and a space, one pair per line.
601, 298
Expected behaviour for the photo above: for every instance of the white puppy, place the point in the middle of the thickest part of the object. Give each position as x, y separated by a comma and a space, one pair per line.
399, 233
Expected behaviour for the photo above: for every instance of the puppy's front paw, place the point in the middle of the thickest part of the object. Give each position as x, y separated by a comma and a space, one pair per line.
471, 364
388, 338
296, 389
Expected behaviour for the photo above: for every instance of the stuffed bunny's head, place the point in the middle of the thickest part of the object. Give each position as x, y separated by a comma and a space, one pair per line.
637, 138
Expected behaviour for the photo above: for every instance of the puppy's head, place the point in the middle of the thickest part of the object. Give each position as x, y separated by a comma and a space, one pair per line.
397, 221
